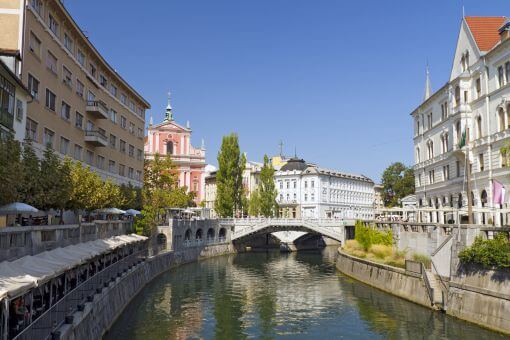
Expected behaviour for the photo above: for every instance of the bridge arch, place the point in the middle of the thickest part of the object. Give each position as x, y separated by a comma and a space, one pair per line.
187, 235
223, 233
210, 234
198, 234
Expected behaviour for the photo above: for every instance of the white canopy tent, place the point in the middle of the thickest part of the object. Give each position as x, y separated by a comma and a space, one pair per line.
31, 271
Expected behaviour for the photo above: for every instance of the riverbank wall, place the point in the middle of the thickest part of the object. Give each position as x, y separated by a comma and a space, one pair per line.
99, 314
396, 281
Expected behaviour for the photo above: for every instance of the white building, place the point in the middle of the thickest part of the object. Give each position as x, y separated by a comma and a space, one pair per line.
476, 102
308, 191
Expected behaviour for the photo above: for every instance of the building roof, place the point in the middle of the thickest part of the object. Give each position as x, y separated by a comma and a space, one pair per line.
485, 31
334, 173
294, 164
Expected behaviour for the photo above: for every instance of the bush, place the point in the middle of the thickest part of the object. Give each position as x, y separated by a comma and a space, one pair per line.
367, 236
381, 251
425, 259
352, 245
488, 253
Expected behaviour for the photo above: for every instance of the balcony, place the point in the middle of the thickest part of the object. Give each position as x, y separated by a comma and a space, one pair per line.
6, 118
97, 109
96, 138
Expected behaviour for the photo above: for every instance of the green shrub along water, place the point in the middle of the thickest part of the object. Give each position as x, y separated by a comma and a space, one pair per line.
367, 236
493, 253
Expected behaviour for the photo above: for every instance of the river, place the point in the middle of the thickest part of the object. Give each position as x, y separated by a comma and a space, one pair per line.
273, 295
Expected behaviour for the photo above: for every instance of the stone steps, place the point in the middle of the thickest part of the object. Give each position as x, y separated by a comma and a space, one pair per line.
435, 285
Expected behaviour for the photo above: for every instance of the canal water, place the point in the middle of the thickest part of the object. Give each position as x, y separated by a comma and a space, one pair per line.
274, 295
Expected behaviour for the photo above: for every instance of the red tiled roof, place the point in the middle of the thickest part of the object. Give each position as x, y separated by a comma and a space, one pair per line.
485, 30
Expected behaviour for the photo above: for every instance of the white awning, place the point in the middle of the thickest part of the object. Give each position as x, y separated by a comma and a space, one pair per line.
28, 272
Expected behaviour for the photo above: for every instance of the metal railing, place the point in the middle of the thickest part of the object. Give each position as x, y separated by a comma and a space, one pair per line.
430, 290
96, 133
55, 316
97, 103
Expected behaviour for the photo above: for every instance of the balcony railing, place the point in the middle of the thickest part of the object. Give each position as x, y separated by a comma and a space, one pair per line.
6, 118
97, 108
96, 138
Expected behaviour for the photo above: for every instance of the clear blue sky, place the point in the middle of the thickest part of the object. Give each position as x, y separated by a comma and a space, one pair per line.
337, 80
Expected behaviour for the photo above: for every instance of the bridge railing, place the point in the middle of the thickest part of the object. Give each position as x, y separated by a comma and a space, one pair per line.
287, 221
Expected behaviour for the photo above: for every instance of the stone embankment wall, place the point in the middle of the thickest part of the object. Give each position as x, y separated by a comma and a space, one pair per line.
393, 280
481, 296
99, 314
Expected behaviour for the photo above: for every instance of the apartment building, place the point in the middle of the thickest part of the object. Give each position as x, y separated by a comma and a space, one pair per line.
81, 106
465, 124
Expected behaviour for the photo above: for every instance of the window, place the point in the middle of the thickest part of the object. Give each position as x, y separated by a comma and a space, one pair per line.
90, 157
287, 184
466, 96
457, 95
478, 88
113, 90
501, 76
35, 44
33, 86
446, 172
122, 170
111, 166
100, 162
80, 88
67, 76
312, 184
139, 154
37, 6
130, 172
68, 43
131, 128
507, 71
419, 180
457, 167
123, 122
19, 110
443, 113
103, 81
501, 119
122, 146
79, 120
53, 24
65, 111
429, 121
90, 126
48, 137
139, 177
480, 162
294, 183
479, 126
50, 100
131, 151
64, 145
77, 152
430, 149
113, 116
169, 147
51, 62
123, 98
91, 96
306, 184
132, 105
113, 141
31, 130
306, 197
80, 57
431, 177
92, 70
140, 133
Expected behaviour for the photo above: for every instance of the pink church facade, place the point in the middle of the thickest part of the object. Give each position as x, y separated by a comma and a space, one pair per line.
173, 139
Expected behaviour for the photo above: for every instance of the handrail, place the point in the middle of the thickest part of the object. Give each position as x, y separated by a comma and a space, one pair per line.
441, 245
430, 290
440, 278
95, 133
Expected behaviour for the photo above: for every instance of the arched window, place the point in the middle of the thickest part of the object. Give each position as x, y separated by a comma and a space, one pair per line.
457, 95
430, 149
169, 148
479, 127
508, 116
501, 119
198, 234
187, 235
483, 198
418, 160
458, 131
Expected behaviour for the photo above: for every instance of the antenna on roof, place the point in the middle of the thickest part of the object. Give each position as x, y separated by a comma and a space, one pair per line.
281, 148
463, 12
295, 152
428, 89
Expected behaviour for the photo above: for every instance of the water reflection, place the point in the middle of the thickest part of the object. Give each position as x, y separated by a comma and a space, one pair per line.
273, 295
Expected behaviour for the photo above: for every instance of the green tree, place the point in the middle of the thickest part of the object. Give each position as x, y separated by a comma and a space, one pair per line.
398, 182
229, 178
30, 189
267, 188
10, 170
254, 203
85, 187
55, 181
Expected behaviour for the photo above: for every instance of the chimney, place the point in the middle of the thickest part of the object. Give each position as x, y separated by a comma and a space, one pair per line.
504, 31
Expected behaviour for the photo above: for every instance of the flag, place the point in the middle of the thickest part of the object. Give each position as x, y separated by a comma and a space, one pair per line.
498, 192
462, 141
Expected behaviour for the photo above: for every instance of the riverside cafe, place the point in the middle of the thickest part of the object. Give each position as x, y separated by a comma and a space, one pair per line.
30, 286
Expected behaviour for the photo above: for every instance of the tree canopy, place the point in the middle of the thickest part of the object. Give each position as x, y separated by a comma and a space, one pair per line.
267, 189
398, 182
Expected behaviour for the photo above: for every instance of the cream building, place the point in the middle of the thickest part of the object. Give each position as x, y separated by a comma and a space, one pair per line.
475, 102
308, 191
81, 106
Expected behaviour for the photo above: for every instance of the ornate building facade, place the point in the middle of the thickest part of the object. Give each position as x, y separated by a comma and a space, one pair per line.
465, 124
308, 191
173, 139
